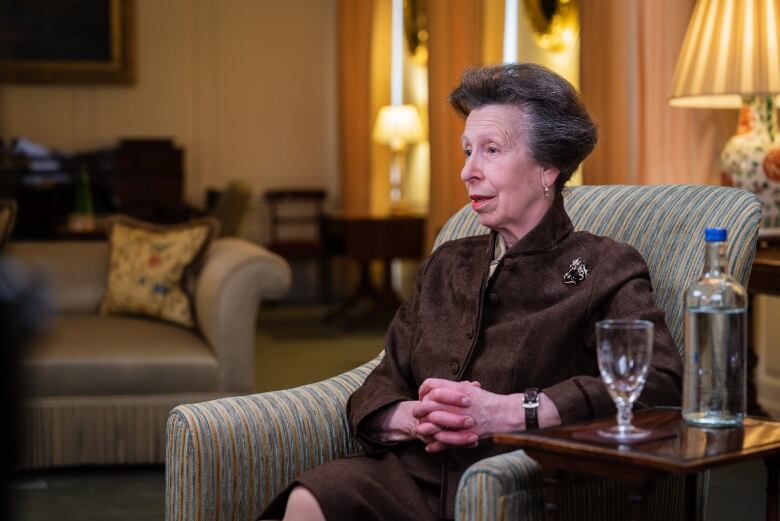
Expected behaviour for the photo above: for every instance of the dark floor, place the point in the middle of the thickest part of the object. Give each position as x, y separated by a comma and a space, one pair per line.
737, 493
90, 494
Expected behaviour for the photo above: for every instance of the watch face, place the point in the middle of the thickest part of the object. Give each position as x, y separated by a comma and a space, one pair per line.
531, 395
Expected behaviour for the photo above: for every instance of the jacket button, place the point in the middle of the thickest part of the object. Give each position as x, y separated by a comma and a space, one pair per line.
470, 333
493, 298
507, 263
454, 366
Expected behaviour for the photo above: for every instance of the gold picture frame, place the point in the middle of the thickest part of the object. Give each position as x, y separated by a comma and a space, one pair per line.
416, 29
555, 23
98, 50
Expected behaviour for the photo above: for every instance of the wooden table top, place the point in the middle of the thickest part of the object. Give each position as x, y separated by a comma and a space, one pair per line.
366, 237
686, 449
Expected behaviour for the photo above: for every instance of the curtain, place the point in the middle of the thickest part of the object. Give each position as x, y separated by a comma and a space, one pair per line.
354, 76
454, 44
629, 51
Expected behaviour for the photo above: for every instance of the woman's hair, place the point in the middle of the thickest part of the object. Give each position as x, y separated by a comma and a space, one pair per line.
560, 132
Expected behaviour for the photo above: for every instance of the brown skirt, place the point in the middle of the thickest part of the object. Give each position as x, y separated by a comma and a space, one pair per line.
381, 487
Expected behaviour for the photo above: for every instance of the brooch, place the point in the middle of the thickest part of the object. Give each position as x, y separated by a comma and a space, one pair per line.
577, 272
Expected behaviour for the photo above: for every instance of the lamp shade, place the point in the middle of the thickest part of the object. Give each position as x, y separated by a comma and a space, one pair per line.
731, 49
398, 125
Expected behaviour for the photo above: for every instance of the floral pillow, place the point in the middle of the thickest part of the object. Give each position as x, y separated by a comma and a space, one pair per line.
152, 268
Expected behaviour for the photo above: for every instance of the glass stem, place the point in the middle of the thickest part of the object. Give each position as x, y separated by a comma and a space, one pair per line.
624, 416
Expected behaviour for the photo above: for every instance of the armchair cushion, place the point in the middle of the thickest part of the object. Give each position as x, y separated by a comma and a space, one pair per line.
151, 268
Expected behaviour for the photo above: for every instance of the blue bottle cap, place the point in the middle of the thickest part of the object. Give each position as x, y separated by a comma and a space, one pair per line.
715, 234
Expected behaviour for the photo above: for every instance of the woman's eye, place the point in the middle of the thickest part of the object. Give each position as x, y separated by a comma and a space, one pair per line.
467, 152
492, 150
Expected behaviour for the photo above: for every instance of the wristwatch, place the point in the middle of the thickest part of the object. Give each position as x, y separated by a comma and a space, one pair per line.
531, 406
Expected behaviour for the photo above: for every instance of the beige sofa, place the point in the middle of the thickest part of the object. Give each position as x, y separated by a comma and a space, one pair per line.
99, 389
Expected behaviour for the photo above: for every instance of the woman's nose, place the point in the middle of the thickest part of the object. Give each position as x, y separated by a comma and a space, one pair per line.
470, 170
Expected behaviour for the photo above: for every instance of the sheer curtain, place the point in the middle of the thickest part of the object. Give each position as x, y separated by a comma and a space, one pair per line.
629, 50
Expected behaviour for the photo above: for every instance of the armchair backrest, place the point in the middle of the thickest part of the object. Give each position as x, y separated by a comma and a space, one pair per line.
664, 223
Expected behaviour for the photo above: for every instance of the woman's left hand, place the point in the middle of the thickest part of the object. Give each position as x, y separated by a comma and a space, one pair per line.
446, 407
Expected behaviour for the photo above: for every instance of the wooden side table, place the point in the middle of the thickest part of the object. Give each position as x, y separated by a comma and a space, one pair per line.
764, 279
765, 274
367, 238
687, 451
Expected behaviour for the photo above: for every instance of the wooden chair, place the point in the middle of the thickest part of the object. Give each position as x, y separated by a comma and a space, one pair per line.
295, 218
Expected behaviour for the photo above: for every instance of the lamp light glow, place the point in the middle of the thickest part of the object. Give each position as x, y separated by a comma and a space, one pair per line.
730, 50
398, 126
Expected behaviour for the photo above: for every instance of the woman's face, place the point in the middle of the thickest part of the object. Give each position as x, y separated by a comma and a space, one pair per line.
505, 185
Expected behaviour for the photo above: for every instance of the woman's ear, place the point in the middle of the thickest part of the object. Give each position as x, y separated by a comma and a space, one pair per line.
548, 176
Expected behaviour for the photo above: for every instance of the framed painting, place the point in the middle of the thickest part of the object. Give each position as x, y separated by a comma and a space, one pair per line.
67, 41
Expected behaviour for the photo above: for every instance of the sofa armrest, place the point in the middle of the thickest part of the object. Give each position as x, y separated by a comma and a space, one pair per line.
228, 458
236, 276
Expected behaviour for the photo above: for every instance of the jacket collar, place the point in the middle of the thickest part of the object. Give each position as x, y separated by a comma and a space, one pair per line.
552, 229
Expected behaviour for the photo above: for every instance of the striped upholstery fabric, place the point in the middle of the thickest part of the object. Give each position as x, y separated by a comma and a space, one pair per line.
98, 430
226, 459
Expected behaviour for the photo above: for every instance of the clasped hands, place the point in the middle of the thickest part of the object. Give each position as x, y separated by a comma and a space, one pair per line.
456, 414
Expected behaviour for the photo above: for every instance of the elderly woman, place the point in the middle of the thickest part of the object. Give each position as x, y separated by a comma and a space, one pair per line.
495, 320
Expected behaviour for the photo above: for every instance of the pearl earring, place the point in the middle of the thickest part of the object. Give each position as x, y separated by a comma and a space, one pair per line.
546, 191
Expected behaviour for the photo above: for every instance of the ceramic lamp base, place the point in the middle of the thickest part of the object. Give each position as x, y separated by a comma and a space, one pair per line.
751, 158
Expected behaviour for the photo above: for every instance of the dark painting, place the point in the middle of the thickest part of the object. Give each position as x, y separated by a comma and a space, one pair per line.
74, 41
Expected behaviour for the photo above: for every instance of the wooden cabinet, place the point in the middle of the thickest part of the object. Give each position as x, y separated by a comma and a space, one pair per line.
139, 177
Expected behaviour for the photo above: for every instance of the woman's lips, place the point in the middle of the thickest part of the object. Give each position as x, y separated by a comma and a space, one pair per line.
478, 201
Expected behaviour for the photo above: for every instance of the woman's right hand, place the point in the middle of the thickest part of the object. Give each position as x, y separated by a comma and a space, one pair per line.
401, 421
396, 423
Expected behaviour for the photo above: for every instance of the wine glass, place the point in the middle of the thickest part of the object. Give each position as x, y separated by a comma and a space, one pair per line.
624, 351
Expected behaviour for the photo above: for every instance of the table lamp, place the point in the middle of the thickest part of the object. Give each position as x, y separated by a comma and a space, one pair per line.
730, 58
398, 126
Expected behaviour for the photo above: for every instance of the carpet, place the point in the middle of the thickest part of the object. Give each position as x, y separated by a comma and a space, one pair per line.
298, 345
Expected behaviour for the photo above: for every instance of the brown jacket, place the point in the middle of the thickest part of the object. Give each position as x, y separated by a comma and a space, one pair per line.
523, 328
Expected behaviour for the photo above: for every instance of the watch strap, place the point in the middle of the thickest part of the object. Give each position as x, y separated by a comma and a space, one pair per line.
531, 406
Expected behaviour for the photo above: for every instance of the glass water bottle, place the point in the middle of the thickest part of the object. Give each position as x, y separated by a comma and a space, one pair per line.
714, 383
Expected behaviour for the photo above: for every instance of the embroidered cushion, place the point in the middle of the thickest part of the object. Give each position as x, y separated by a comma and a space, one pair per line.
152, 268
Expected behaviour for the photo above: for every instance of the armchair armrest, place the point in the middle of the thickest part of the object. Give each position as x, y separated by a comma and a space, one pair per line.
236, 276
228, 458
507, 486
511, 486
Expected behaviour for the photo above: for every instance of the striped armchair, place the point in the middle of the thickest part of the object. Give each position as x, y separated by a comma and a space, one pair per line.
227, 458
